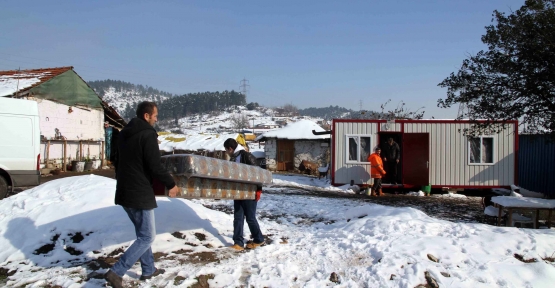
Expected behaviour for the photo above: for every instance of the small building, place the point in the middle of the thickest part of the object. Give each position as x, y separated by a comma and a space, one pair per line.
73, 118
287, 147
281, 121
433, 152
266, 126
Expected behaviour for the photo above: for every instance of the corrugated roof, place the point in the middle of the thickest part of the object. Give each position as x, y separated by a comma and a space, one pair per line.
17, 81
14, 82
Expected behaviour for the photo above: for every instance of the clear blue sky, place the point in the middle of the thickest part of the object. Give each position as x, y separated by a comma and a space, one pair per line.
306, 53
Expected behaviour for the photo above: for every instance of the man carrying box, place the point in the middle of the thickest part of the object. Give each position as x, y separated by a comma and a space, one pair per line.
244, 208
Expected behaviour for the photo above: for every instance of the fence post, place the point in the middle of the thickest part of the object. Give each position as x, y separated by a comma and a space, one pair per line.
64, 168
47, 154
80, 150
102, 154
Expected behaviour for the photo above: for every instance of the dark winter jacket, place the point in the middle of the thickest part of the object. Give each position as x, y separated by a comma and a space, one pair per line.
246, 158
137, 163
391, 152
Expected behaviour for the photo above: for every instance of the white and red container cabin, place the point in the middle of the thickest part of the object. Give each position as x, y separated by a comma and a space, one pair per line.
433, 152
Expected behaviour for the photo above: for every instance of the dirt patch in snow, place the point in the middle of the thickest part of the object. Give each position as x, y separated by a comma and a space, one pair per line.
456, 209
466, 210
202, 281
521, 258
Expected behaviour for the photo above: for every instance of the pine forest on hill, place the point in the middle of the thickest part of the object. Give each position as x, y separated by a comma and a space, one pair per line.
331, 112
204, 102
125, 96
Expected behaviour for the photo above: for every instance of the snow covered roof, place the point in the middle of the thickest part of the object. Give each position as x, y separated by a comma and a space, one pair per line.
300, 130
195, 142
13, 81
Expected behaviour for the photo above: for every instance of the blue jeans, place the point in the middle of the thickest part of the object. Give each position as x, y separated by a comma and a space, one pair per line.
140, 249
245, 209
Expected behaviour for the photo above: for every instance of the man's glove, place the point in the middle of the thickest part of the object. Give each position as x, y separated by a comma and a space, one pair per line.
258, 194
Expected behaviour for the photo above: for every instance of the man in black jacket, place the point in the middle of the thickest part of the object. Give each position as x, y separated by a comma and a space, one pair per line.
137, 164
244, 208
391, 154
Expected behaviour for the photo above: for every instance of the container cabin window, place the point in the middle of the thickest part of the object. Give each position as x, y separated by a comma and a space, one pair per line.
358, 148
480, 150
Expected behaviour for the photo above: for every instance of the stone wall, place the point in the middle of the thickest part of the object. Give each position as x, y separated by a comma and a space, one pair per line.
310, 150
271, 154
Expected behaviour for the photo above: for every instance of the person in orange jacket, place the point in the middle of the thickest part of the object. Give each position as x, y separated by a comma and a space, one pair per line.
376, 171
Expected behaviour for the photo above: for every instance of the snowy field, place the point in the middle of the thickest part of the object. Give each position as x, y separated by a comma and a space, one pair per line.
66, 233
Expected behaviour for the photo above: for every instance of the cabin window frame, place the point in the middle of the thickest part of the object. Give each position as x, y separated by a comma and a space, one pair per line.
348, 148
491, 148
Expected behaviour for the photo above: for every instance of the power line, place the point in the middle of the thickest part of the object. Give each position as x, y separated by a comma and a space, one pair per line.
244, 86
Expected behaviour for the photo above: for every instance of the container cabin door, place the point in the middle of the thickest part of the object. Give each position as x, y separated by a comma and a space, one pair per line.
415, 155
285, 155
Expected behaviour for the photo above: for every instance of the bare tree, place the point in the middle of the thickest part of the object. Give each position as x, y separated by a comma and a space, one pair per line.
398, 113
291, 109
239, 121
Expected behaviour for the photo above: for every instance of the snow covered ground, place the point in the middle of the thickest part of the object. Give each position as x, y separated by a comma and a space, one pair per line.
220, 122
65, 232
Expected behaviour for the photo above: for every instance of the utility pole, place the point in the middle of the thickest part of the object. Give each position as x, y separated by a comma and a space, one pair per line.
243, 87
360, 108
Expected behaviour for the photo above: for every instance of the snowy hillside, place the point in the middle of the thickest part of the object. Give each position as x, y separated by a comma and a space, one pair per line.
119, 99
124, 97
119, 94
255, 121
202, 112
208, 132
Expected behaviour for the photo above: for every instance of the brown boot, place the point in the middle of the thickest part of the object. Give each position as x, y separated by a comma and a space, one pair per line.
380, 193
113, 279
156, 273
373, 192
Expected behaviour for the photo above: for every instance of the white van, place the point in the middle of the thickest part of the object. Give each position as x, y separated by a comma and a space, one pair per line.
19, 144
